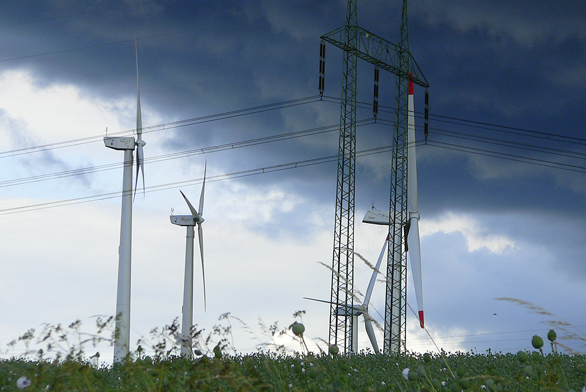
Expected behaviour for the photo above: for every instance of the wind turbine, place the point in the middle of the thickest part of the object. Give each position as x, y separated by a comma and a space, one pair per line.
379, 217
126, 144
361, 310
196, 218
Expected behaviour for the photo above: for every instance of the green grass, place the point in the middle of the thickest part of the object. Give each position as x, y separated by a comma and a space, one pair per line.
277, 372
62, 365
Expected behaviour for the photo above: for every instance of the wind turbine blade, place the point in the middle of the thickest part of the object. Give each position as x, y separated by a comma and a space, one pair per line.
413, 235
203, 187
370, 331
139, 143
415, 259
320, 300
374, 273
191, 208
138, 110
200, 234
411, 155
139, 165
341, 305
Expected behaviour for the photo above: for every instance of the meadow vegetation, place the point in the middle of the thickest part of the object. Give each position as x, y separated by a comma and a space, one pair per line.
64, 363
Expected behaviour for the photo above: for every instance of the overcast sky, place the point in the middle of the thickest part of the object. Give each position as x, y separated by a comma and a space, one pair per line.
501, 179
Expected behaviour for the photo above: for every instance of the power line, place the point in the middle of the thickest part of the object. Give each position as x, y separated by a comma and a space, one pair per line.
511, 130
90, 46
509, 143
268, 139
510, 157
176, 155
505, 143
181, 154
286, 104
165, 126
173, 185
316, 131
110, 8
281, 167
476, 124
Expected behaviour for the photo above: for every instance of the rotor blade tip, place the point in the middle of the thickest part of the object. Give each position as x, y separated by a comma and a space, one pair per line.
421, 319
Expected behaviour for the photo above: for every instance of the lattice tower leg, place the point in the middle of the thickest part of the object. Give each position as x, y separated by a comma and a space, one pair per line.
396, 292
343, 257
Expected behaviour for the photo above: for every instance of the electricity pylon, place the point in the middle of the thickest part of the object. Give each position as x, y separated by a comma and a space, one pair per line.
356, 43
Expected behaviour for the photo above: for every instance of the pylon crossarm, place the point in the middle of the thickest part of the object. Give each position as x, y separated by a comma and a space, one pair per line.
376, 50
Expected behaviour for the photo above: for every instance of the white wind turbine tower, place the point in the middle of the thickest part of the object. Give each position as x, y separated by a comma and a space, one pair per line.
378, 217
196, 218
126, 144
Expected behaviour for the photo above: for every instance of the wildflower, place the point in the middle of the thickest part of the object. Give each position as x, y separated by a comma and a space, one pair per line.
23, 383
406, 373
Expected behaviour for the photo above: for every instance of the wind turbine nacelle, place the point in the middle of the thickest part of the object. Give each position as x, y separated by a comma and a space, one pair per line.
376, 217
120, 143
355, 310
183, 220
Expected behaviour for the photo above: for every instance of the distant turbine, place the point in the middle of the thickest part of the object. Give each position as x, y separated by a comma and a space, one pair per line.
196, 218
361, 310
127, 144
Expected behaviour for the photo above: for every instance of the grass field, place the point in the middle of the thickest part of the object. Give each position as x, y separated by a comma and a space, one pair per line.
63, 366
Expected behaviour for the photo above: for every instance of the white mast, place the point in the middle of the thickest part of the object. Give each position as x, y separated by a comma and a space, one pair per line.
196, 218
122, 338
127, 144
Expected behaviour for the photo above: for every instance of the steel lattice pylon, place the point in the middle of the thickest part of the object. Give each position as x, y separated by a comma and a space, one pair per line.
343, 260
396, 291
359, 43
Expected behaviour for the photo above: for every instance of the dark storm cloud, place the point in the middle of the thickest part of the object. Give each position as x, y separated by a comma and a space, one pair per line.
503, 64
